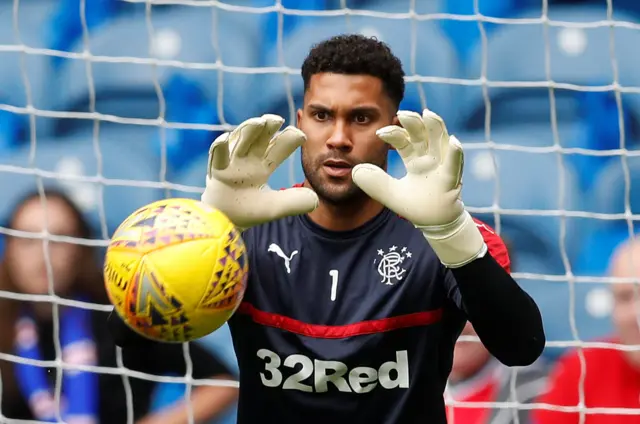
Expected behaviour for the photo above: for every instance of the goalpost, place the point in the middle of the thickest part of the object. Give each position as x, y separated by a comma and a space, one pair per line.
583, 298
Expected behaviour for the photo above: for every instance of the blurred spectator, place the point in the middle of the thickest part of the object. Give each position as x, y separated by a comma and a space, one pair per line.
478, 377
27, 329
611, 376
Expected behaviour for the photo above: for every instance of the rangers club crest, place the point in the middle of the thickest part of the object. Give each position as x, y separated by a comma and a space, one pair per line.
391, 264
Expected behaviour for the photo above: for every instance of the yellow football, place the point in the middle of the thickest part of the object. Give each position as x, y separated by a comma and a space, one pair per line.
176, 270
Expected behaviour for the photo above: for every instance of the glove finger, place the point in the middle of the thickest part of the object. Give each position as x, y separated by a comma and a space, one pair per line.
437, 134
376, 183
289, 202
282, 146
414, 125
398, 138
244, 136
454, 161
218, 154
261, 143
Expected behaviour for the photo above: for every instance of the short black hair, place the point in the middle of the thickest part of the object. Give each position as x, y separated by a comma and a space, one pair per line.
355, 54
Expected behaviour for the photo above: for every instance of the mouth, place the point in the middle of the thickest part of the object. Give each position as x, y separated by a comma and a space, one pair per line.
337, 168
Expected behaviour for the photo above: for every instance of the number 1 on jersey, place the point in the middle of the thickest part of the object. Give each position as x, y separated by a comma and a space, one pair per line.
334, 283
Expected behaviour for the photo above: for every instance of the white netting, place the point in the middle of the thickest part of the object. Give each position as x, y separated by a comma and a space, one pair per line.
106, 150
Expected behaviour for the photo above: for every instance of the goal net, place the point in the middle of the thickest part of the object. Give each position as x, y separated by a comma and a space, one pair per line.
116, 102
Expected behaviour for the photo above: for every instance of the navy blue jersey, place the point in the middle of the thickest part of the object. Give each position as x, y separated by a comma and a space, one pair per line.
355, 326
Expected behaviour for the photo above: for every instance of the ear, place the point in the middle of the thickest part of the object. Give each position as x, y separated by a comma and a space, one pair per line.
298, 117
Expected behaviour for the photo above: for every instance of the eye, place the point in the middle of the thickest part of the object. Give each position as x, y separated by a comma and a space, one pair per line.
361, 119
321, 116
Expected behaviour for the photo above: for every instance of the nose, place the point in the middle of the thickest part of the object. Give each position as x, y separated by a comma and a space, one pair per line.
340, 138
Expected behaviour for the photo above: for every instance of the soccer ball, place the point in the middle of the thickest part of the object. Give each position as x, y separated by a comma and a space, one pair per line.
176, 270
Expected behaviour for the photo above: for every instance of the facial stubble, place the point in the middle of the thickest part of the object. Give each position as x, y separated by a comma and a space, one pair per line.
335, 191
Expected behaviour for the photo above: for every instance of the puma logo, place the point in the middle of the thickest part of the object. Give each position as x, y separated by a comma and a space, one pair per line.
274, 248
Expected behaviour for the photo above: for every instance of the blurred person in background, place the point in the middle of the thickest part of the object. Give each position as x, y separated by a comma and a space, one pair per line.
27, 329
611, 376
476, 376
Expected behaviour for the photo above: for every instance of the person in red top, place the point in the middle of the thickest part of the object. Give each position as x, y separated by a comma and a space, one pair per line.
477, 377
611, 376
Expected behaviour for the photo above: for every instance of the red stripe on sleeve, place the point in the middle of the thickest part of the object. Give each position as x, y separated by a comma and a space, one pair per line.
497, 248
339, 331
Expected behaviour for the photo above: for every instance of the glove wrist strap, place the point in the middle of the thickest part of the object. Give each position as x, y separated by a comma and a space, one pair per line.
458, 243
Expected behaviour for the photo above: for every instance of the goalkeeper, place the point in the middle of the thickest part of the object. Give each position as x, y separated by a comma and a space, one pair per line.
359, 283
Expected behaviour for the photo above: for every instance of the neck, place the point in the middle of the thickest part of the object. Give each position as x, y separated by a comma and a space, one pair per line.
345, 217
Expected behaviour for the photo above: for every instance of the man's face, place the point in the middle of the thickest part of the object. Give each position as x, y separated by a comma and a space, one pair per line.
626, 296
340, 117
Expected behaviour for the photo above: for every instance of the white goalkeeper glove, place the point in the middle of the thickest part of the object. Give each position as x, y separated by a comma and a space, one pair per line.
240, 164
429, 195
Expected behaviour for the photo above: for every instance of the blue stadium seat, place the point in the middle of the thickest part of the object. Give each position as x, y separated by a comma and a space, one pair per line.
65, 27
16, 66
288, 21
609, 196
193, 177
610, 190
598, 247
525, 181
14, 128
422, 7
524, 134
291, 21
517, 53
576, 56
396, 32
465, 34
181, 34
120, 162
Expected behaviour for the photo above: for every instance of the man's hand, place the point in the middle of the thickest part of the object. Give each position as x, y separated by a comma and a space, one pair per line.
429, 195
240, 164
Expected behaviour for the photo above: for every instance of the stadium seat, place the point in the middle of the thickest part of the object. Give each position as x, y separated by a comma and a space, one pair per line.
127, 175
598, 247
192, 178
421, 7
189, 38
465, 34
610, 195
397, 33
288, 21
517, 53
26, 78
14, 128
529, 182
533, 135
65, 27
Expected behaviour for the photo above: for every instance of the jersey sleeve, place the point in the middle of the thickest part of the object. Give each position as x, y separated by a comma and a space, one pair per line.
496, 248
